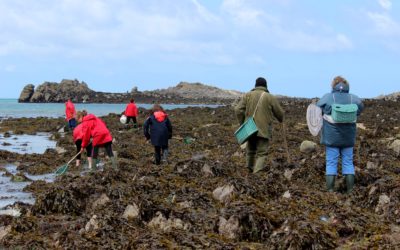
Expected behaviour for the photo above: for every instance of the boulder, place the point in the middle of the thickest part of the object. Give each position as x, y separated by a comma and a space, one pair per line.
224, 193
308, 147
131, 212
92, 224
167, 225
229, 228
395, 146
26, 93
101, 201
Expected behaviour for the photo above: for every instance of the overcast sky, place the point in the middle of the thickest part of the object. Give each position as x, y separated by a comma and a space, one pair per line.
114, 45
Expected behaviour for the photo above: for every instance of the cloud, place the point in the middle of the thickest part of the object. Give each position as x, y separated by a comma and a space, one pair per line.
385, 4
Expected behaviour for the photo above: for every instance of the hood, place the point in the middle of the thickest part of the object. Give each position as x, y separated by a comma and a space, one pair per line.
261, 88
89, 117
341, 87
160, 116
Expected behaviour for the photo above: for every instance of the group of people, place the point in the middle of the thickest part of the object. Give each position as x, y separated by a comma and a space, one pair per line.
91, 133
338, 137
259, 104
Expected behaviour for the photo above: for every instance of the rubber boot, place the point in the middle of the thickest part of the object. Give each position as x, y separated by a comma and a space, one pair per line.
260, 164
349, 182
165, 155
250, 159
90, 163
330, 182
114, 162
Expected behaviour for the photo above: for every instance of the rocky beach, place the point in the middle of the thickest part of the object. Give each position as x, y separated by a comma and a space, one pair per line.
203, 197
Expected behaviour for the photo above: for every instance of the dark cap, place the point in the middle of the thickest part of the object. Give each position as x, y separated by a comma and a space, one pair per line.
261, 82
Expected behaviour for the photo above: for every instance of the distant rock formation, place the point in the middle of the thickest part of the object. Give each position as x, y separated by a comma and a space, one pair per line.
198, 91
194, 93
26, 93
391, 97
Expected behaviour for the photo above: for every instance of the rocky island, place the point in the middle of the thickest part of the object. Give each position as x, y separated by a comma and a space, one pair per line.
185, 93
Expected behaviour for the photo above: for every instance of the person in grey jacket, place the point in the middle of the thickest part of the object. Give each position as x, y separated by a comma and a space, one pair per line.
339, 138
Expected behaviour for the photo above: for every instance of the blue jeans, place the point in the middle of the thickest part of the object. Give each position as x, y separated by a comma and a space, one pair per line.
332, 158
72, 123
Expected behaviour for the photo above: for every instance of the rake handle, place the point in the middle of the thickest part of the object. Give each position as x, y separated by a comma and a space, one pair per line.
73, 158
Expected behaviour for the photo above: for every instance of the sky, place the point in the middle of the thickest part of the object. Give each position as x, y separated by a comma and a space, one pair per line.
299, 46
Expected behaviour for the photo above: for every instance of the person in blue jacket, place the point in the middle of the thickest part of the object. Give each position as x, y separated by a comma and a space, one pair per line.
158, 129
339, 138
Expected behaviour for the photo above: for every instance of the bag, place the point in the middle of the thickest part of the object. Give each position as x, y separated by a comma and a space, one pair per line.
123, 119
248, 128
344, 113
314, 119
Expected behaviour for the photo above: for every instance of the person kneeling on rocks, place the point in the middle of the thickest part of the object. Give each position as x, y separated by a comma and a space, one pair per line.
158, 128
95, 128
78, 135
339, 136
264, 107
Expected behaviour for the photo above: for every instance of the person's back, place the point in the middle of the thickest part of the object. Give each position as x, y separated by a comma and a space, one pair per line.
131, 113
265, 108
96, 128
339, 137
70, 114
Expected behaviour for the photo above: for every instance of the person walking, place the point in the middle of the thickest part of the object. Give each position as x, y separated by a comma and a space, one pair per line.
339, 136
158, 129
77, 136
131, 113
268, 109
95, 128
70, 114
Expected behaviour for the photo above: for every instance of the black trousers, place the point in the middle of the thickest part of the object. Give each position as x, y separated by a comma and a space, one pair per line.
78, 145
108, 148
129, 118
157, 153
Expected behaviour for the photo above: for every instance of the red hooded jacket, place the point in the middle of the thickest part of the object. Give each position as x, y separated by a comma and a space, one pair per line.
94, 127
131, 110
78, 132
69, 110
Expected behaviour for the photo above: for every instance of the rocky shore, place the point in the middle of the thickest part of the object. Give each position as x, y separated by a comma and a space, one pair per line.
183, 93
203, 198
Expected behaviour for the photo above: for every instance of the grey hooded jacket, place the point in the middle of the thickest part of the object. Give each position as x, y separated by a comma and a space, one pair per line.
340, 135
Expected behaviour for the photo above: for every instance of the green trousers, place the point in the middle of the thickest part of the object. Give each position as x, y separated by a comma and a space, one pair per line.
257, 150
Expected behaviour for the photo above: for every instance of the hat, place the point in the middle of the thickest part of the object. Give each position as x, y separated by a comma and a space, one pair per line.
261, 82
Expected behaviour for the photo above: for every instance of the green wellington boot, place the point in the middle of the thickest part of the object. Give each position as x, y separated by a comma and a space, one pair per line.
349, 182
330, 182
114, 162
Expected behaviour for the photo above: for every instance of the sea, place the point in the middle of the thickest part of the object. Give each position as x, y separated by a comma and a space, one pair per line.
10, 108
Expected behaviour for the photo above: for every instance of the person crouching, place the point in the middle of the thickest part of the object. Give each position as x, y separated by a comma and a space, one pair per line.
158, 129
77, 136
95, 128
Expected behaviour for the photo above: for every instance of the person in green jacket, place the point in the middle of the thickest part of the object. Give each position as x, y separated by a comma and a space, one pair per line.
268, 109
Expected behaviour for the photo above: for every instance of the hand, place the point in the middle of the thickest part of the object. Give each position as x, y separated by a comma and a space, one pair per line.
81, 151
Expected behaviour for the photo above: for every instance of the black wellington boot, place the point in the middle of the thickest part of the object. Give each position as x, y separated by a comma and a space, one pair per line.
330, 182
349, 182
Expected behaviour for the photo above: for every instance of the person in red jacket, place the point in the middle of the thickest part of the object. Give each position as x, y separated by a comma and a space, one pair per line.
131, 113
78, 135
93, 127
70, 114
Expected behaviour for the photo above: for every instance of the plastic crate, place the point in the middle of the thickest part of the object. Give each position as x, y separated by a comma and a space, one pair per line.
247, 129
344, 113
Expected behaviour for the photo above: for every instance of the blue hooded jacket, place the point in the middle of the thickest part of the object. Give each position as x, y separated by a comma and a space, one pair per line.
340, 135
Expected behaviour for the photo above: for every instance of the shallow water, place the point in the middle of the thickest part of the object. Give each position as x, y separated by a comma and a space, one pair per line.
27, 144
11, 192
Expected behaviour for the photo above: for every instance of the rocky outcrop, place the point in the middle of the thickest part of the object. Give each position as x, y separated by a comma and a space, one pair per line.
26, 93
183, 93
391, 97
60, 92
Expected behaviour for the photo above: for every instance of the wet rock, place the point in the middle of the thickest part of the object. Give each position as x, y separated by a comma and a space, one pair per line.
395, 146
6, 144
185, 204
288, 174
167, 225
207, 170
371, 165
19, 177
4, 231
60, 150
7, 135
286, 195
308, 147
229, 228
224, 193
92, 224
101, 201
131, 212
383, 204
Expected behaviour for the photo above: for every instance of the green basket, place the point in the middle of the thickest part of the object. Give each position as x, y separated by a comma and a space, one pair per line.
344, 113
247, 129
